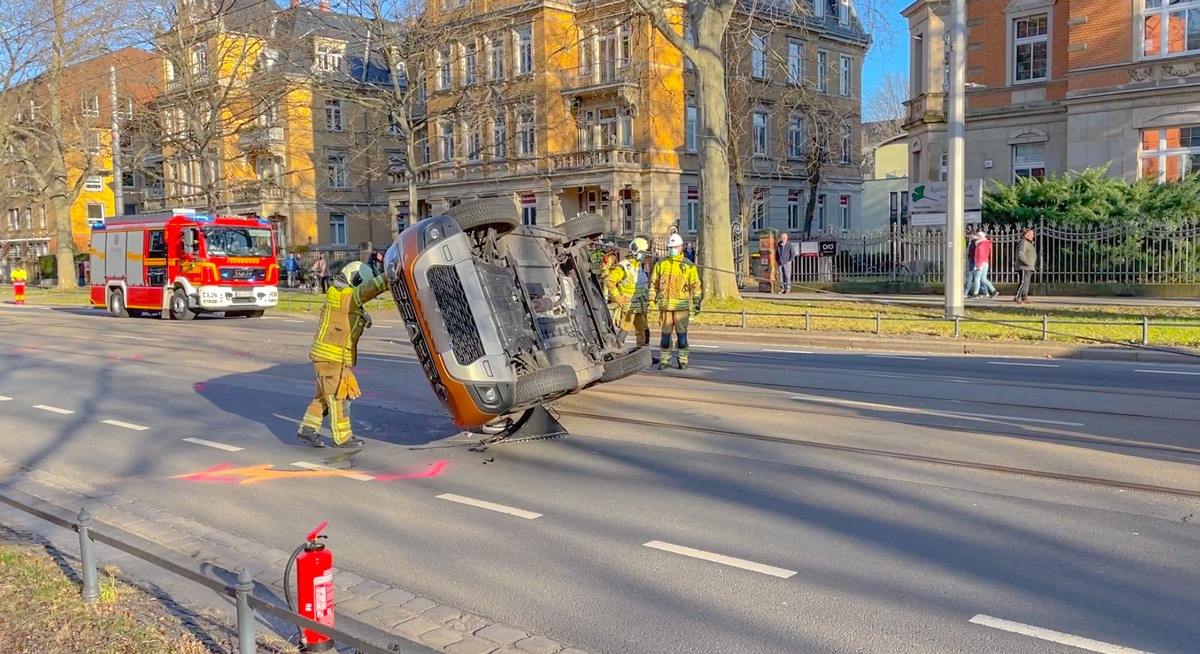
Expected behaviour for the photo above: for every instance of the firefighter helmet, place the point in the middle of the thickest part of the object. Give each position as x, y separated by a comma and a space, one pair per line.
675, 241
358, 273
638, 246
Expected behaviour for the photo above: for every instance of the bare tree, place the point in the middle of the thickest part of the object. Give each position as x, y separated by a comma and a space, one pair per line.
885, 106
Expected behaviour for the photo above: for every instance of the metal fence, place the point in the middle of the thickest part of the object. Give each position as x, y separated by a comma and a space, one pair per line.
1114, 254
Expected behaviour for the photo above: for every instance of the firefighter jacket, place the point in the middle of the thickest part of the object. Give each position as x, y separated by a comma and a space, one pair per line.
674, 284
627, 279
19, 275
343, 320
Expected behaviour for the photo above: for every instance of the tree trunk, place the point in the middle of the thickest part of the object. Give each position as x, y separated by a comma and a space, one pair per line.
715, 254
814, 183
59, 195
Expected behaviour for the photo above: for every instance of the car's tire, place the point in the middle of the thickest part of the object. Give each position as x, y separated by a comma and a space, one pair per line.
179, 306
116, 304
546, 382
627, 364
496, 213
587, 226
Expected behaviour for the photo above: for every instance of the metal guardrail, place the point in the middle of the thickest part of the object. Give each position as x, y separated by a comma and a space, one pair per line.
242, 591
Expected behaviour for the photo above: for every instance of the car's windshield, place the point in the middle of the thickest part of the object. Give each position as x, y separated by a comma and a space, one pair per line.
238, 242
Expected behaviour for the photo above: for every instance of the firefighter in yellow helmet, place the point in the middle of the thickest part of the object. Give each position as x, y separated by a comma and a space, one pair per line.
335, 350
628, 288
675, 290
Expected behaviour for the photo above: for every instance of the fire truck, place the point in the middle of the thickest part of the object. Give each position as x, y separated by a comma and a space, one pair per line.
181, 263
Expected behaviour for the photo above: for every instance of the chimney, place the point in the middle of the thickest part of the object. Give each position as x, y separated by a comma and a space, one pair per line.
324, 5
295, 4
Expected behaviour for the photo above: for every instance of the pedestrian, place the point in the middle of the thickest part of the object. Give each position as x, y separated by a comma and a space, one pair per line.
18, 283
674, 289
335, 351
628, 287
784, 254
292, 266
319, 270
971, 241
1026, 264
689, 251
980, 284
377, 263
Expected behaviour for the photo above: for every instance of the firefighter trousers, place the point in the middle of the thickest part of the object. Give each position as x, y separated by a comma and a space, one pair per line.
19, 292
635, 321
336, 387
674, 322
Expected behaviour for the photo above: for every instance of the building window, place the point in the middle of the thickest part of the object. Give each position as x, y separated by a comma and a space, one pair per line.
690, 39
335, 166
759, 133
692, 123
1031, 48
819, 218
693, 209
528, 209
797, 137
93, 184
795, 63
1029, 160
28, 219
497, 58
475, 143
625, 54
199, 60
446, 129
526, 137
628, 212
843, 12
898, 208
758, 56
329, 57
471, 65
337, 229
335, 121
91, 106
847, 149
822, 72
127, 179
1170, 27
625, 126
844, 213
93, 143
95, 213
41, 217
793, 209
444, 80
14, 220
945, 168
499, 138
845, 76
524, 50
758, 210
1170, 154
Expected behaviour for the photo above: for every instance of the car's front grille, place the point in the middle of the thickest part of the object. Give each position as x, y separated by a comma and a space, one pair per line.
456, 313
420, 346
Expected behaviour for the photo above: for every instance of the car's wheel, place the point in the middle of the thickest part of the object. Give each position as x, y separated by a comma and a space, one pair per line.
116, 304
543, 383
499, 214
627, 364
179, 306
587, 226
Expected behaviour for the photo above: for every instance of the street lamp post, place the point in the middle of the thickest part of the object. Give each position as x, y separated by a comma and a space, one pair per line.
956, 174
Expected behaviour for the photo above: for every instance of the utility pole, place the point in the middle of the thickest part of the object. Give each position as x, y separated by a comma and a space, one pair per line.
115, 143
956, 173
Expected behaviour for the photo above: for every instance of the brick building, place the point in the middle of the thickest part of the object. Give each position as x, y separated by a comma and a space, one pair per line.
1084, 83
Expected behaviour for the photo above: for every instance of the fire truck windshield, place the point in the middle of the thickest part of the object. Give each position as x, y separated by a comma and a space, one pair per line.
238, 242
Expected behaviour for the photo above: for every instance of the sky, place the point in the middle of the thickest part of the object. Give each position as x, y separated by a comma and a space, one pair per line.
889, 52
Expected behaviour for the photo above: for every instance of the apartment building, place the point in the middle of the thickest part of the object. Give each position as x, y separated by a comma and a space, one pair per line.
28, 222
1084, 83
277, 131
585, 107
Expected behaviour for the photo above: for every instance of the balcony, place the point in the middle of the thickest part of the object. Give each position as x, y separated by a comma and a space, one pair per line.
257, 194
603, 79
261, 139
927, 107
593, 159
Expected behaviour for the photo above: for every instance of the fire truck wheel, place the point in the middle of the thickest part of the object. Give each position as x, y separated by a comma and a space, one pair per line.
179, 306
116, 304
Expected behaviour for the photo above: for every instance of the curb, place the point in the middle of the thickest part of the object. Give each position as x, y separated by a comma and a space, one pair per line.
393, 610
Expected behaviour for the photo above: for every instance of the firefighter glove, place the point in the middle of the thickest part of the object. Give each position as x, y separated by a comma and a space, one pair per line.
696, 306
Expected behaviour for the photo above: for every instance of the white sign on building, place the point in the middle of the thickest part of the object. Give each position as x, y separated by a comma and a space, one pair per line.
927, 202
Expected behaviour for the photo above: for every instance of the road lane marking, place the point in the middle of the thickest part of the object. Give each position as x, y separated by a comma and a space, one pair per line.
788, 351
1054, 636
5, 398
53, 409
135, 338
1169, 372
934, 412
722, 559
707, 347
295, 321
344, 473
499, 508
213, 444
125, 425
1029, 365
895, 356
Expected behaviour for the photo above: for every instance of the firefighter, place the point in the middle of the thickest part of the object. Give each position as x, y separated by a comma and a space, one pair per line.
335, 350
675, 290
628, 286
18, 283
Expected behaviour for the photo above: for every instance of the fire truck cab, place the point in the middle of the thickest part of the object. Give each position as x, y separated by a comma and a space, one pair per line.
181, 263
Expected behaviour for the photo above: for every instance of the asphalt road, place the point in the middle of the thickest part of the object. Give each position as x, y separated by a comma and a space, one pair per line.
765, 500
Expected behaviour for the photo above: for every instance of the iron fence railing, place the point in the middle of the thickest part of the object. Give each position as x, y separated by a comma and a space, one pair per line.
1112, 254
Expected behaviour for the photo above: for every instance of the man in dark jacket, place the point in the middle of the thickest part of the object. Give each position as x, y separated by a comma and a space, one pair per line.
783, 259
1026, 264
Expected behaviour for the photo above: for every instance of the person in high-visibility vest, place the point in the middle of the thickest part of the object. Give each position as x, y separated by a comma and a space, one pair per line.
335, 350
18, 282
675, 290
628, 288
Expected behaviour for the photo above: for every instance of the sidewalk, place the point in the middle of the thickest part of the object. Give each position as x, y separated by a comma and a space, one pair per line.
1047, 301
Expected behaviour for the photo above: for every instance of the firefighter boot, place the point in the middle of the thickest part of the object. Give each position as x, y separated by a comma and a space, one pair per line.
310, 436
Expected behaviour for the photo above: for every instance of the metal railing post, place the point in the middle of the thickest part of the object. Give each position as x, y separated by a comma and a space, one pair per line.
1045, 327
245, 615
957, 326
1145, 330
87, 557
743, 317
878, 324
807, 321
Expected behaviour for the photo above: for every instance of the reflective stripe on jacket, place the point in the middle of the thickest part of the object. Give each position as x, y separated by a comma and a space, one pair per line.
343, 320
675, 284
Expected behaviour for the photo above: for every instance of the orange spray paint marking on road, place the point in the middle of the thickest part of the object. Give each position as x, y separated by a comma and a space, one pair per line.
267, 472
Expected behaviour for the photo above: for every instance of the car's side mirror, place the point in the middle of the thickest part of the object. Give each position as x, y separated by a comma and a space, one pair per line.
189, 241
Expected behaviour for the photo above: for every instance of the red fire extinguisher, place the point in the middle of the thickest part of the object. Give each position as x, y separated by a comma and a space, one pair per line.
314, 588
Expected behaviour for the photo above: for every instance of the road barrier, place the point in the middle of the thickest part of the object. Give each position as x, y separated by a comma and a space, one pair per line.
242, 592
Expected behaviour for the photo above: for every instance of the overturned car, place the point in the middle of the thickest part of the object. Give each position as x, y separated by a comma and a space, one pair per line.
504, 317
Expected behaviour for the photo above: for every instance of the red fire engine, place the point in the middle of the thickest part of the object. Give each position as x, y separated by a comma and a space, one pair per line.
181, 263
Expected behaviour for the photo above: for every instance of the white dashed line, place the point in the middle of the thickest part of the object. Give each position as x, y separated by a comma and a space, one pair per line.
124, 425
53, 409
1029, 365
722, 559
499, 508
135, 338
5, 398
316, 466
1054, 636
706, 347
386, 326
934, 412
789, 351
295, 321
1169, 372
212, 444
895, 356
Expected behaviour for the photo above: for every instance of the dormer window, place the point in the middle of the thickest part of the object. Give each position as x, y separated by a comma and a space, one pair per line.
329, 57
